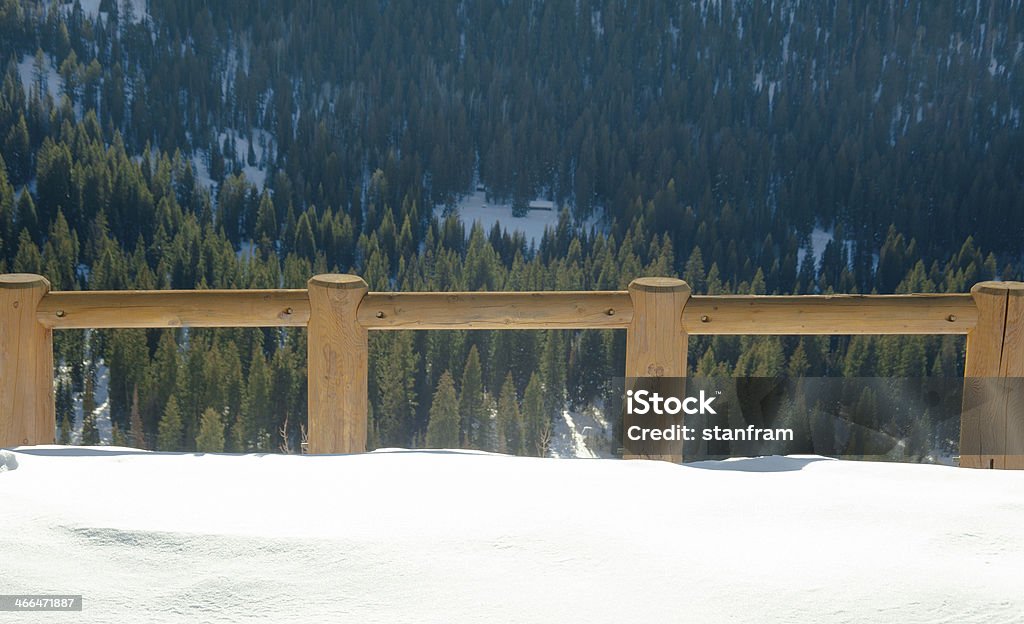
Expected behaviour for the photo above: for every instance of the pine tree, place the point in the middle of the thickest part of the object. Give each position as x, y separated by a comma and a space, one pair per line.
136, 435
693, 274
28, 259
6, 215
117, 437
17, 152
65, 430
266, 221
305, 243
25, 217
798, 364
211, 433
537, 422
90, 434
396, 383
509, 425
588, 369
443, 429
169, 434
256, 415
65, 409
60, 255
553, 372
471, 404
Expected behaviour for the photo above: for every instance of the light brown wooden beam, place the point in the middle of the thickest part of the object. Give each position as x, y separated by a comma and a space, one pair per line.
174, 308
829, 314
497, 310
704, 314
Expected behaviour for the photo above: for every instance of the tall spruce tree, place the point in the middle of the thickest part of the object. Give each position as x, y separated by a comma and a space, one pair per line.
443, 429
536, 419
471, 404
136, 434
90, 433
211, 433
169, 434
396, 386
509, 420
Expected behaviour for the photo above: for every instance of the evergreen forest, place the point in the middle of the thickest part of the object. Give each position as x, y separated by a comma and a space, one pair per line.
783, 147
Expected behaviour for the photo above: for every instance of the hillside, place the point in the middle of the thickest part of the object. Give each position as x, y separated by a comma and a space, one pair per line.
414, 536
791, 147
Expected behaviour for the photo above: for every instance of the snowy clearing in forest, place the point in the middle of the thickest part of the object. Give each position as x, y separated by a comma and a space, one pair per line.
431, 536
41, 79
474, 207
91, 9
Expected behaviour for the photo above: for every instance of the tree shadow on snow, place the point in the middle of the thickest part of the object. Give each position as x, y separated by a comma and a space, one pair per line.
772, 463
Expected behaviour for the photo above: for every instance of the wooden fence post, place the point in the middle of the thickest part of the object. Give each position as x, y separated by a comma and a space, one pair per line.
655, 347
338, 352
992, 423
27, 409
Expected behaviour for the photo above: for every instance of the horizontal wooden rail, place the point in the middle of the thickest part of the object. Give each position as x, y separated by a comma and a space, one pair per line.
101, 309
829, 314
497, 310
703, 314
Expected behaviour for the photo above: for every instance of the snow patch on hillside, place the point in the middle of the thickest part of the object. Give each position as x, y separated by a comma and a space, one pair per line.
474, 208
91, 9
582, 435
101, 402
43, 79
256, 173
421, 536
819, 240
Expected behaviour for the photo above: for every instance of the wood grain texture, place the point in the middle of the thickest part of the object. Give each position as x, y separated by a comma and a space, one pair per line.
27, 409
1011, 367
497, 310
829, 314
656, 346
337, 366
705, 315
991, 422
174, 308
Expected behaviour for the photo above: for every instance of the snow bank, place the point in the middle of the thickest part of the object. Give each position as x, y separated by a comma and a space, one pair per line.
444, 536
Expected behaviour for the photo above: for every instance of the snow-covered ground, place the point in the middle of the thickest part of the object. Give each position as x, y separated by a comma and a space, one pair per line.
262, 142
91, 8
101, 413
820, 238
581, 435
448, 536
45, 77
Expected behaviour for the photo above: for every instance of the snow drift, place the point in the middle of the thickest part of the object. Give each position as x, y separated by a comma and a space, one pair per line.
448, 536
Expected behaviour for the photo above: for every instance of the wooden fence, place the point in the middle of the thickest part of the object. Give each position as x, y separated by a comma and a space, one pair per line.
658, 314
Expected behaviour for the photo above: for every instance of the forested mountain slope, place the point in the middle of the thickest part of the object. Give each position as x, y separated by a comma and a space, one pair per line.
194, 144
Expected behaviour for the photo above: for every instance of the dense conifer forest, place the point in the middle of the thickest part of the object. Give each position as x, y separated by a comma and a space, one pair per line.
253, 143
